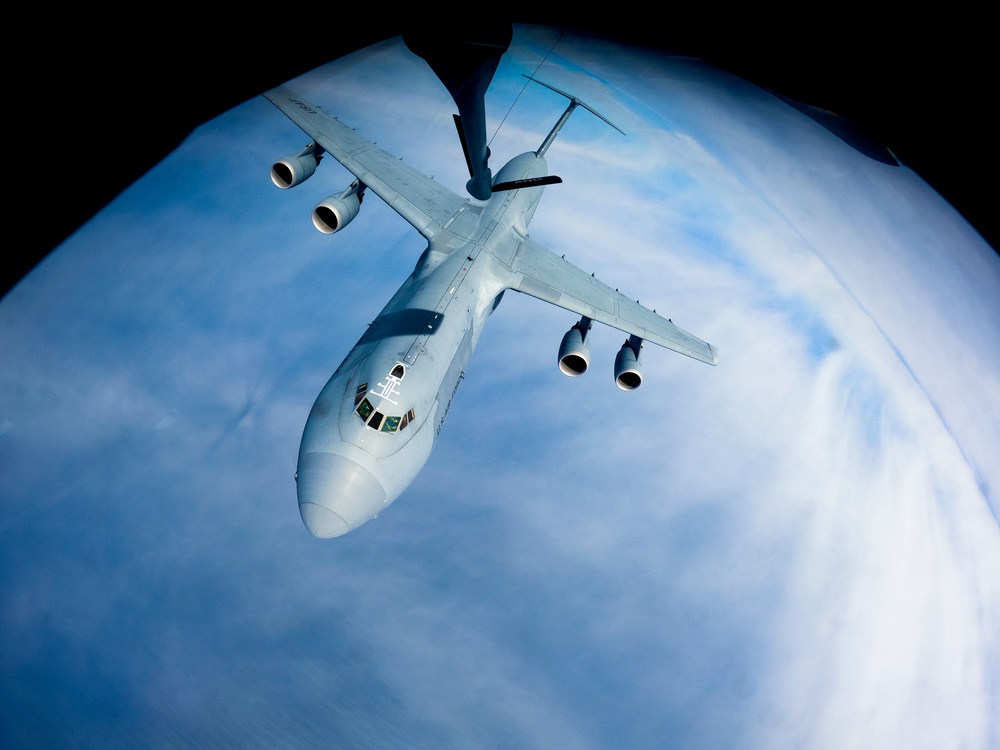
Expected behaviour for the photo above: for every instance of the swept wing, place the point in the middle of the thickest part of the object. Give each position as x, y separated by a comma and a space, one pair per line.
425, 204
428, 206
544, 275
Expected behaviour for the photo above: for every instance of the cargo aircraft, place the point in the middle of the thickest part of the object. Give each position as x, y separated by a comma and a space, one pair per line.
374, 424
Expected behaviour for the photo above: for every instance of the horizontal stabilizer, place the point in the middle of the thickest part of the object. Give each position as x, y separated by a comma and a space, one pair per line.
574, 102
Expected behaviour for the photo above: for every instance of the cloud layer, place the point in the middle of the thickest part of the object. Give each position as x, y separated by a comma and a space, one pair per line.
796, 548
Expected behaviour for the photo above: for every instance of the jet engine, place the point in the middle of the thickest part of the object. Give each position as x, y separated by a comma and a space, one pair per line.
293, 169
628, 370
336, 212
574, 351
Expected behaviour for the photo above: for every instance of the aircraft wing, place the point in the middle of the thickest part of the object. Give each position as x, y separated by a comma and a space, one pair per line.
542, 274
424, 203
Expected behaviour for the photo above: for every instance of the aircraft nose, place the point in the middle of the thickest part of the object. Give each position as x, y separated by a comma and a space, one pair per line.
321, 521
336, 494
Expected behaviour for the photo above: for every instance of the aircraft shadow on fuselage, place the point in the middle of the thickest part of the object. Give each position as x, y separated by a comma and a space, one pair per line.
410, 322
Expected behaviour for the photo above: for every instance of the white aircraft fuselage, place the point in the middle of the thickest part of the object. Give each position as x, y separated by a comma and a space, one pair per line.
374, 424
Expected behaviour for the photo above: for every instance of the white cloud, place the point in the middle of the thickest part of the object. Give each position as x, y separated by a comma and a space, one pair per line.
790, 549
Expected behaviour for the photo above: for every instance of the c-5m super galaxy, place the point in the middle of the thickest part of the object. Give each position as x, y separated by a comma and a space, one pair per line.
374, 424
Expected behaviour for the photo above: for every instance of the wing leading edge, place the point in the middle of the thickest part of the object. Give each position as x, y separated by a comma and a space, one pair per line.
542, 274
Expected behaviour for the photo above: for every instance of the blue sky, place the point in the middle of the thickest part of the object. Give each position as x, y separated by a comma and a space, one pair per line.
795, 548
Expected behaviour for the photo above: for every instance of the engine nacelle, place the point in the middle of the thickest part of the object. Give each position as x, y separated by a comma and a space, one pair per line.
336, 212
295, 169
628, 369
574, 351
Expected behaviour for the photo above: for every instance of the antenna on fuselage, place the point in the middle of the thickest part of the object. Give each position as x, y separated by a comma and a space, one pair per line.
574, 102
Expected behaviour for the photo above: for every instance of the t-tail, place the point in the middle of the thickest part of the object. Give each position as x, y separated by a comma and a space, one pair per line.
574, 102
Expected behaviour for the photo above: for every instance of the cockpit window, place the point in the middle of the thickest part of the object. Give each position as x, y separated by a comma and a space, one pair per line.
365, 410
378, 421
388, 397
